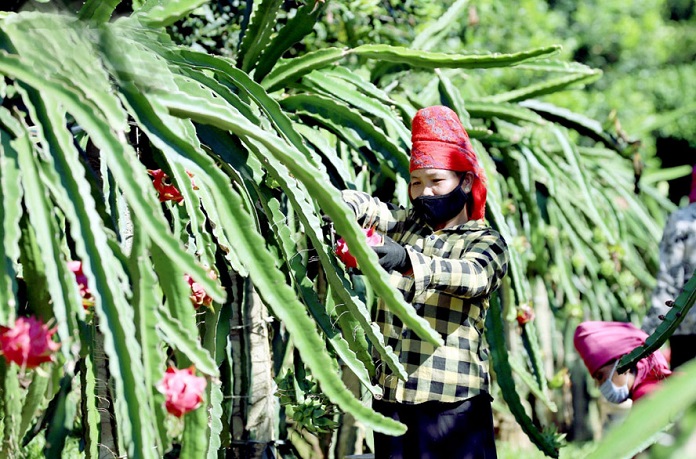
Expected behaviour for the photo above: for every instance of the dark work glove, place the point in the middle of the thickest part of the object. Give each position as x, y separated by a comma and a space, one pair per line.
392, 256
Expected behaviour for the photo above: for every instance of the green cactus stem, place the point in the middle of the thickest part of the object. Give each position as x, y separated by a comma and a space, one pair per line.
548, 441
672, 320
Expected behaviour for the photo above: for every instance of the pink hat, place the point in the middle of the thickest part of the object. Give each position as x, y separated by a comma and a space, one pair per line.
600, 343
692, 195
439, 141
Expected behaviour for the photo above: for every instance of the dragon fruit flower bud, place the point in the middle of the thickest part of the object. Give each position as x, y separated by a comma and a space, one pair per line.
87, 298
525, 314
198, 296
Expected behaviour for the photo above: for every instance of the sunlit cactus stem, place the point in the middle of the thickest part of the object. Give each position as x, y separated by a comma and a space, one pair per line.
548, 443
671, 321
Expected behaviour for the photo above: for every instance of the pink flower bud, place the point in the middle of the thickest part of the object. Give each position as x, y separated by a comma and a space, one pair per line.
87, 298
343, 254
183, 390
525, 314
198, 296
28, 343
167, 191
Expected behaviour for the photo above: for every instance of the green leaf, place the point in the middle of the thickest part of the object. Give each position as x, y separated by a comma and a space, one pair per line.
582, 181
104, 277
451, 97
531, 345
495, 335
649, 416
34, 399
519, 369
339, 115
287, 71
61, 284
257, 34
10, 233
122, 162
557, 217
343, 84
61, 420
556, 66
550, 86
581, 124
33, 270
196, 437
299, 26
198, 105
279, 119
11, 404
665, 174
177, 320
673, 318
37, 35
215, 418
90, 414
504, 111
431, 35
161, 13
290, 70
421, 59
98, 10
147, 296
216, 322
319, 140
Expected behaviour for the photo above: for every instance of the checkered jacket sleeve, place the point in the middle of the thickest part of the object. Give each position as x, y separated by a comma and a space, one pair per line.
476, 272
371, 212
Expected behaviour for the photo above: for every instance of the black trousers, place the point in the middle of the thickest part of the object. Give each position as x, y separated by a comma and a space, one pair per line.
682, 348
461, 430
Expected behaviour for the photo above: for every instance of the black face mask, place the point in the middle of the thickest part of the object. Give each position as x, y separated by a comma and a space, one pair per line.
441, 208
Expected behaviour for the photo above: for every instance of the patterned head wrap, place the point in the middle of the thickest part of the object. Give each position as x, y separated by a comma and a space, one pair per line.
439, 141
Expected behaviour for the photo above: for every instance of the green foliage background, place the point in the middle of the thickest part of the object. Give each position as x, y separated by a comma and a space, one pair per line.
646, 85
273, 107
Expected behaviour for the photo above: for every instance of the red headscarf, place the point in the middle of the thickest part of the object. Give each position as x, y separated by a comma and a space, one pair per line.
440, 142
692, 195
600, 343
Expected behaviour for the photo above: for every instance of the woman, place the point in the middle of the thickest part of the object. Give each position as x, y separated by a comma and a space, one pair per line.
602, 344
446, 262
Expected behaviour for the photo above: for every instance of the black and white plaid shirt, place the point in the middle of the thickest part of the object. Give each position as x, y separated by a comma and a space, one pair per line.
454, 272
